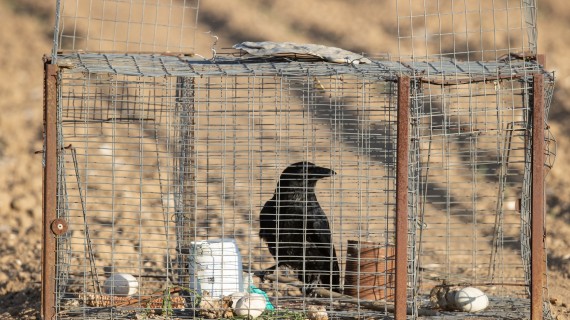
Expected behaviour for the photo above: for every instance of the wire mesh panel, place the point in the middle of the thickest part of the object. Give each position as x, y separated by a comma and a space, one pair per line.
480, 30
126, 26
186, 180
474, 142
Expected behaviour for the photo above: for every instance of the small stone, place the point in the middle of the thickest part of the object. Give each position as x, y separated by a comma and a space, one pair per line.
5, 202
23, 202
317, 313
5, 229
3, 277
553, 301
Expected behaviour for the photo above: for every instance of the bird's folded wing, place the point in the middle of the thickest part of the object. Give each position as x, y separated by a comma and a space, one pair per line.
321, 235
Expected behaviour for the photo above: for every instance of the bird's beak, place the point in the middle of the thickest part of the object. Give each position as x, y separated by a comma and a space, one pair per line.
323, 172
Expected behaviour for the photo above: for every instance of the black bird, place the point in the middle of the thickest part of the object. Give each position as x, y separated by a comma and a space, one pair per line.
296, 228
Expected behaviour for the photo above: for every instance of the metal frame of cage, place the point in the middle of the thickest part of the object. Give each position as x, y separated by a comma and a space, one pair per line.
407, 81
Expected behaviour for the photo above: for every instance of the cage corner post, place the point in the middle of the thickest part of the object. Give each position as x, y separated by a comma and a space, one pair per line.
184, 172
402, 197
49, 191
537, 205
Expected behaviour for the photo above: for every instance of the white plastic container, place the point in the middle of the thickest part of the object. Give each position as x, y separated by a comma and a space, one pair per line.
215, 266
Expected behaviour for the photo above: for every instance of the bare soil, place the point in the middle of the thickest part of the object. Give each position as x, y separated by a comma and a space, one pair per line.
27, 32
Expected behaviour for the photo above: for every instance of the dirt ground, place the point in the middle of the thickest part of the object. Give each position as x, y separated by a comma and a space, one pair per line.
27, 33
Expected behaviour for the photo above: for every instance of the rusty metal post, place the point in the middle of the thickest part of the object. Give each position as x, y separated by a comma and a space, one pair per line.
537, 199
402, 197
49, 190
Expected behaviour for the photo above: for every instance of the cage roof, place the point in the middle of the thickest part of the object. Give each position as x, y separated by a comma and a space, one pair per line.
444, 71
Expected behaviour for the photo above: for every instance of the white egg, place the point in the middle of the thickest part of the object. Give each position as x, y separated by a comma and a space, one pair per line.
251, 305
471, 300
121, 284
236, 296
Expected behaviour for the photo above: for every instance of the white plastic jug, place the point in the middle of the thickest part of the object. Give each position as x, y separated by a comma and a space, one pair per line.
215, 266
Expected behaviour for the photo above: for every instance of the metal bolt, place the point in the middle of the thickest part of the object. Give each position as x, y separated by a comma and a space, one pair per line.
58, 226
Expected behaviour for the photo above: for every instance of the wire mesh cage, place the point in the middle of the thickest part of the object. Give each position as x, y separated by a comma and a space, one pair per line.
150, 167
179, 187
